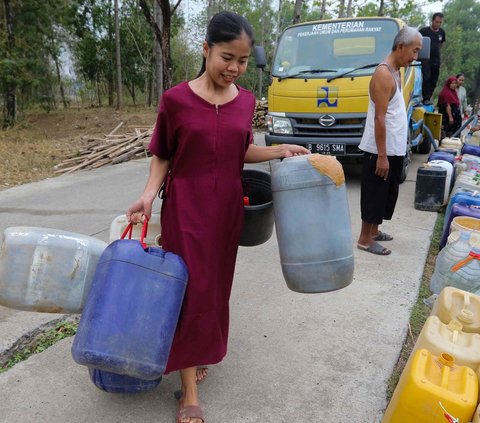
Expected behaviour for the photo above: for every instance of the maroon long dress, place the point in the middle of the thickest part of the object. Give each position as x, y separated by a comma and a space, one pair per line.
202, 211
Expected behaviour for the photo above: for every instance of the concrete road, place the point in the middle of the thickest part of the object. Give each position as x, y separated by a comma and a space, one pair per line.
292, 357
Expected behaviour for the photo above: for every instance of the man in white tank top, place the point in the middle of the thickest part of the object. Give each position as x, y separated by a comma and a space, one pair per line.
384, 141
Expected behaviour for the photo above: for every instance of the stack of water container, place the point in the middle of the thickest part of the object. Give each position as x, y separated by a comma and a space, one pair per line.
440, 380
451, 179
50, 270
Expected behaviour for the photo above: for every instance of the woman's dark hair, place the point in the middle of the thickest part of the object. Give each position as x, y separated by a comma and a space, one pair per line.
460, 74
225, 27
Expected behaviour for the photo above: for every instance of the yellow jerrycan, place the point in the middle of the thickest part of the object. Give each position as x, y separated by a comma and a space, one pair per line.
431, 388
453, 303
438, 337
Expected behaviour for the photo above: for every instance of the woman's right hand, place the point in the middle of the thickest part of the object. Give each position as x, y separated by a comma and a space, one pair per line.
450, 120
137, 212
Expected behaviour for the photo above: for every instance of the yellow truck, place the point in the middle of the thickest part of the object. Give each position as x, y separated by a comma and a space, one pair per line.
318, 86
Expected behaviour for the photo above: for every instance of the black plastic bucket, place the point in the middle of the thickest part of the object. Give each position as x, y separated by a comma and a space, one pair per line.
258, 222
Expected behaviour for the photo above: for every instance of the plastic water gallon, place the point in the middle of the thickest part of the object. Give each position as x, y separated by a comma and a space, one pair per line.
449, 178
453, 303
430, 387
131, 313
465, 224
466, 181
442, 155
449, 256
458, 210
465, 274
47, 270
474, 150
455, 143
468, 198
154, 238
120, 384
438, 337
312, 223
430, 187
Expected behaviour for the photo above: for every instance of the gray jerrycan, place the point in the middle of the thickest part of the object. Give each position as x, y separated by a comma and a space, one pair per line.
312, 223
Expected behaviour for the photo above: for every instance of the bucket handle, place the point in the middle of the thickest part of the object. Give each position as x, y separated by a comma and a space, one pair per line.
128, 231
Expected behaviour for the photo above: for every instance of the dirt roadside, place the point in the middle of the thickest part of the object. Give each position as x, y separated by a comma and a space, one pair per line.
30, 150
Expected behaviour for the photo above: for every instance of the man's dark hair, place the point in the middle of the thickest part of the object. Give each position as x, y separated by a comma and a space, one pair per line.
437, 15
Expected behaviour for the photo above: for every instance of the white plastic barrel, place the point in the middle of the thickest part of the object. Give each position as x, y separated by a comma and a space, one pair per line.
448, 182
47, 270
312, 223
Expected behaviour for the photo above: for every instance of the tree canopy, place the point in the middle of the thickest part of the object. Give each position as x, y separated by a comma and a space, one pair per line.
57, 52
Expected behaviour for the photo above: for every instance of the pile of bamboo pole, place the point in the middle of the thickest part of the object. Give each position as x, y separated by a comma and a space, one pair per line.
111, 149
259, 115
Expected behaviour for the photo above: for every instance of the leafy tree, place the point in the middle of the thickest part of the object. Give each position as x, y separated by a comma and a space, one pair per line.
460, 53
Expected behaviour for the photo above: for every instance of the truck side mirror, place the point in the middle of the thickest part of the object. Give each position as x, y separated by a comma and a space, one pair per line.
259, 55
424, 53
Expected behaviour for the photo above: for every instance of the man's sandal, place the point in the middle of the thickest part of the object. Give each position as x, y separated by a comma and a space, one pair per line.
382, 236
375, 248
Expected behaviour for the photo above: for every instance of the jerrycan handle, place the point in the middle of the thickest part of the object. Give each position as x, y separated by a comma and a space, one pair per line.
128, 231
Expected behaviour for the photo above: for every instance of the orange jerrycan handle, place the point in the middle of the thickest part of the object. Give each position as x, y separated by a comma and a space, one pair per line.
471, 256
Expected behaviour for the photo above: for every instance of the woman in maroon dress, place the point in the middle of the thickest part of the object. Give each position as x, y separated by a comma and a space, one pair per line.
201, 139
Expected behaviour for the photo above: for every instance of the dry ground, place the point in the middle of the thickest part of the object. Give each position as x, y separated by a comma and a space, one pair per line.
39, 141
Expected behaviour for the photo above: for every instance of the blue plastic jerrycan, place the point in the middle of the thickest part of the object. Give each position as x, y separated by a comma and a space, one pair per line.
312, 222
120, 384
131, 313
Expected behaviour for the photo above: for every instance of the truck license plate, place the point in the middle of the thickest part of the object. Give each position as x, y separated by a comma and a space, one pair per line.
335, 149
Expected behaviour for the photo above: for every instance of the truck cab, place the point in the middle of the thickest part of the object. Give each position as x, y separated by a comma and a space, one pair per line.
319, 82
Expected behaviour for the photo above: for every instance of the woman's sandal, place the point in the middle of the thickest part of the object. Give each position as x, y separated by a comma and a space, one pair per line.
190, 412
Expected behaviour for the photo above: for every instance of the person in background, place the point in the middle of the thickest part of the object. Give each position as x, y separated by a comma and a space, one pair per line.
384, 142
449, 107
431, 67
202, 137
462, 94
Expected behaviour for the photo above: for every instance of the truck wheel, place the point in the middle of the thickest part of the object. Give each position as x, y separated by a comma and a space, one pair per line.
406, 164
425, 146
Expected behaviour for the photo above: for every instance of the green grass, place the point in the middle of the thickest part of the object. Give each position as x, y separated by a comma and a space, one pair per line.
41, 343
420, 311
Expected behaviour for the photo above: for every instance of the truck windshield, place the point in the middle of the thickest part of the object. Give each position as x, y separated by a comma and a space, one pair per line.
334, 47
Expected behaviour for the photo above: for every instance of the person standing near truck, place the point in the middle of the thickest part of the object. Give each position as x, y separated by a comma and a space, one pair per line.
384, 141
431, 67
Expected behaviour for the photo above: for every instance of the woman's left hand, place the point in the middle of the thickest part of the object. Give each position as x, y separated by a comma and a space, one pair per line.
294, 150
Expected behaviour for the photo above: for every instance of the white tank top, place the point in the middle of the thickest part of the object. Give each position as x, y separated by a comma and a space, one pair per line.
396, 124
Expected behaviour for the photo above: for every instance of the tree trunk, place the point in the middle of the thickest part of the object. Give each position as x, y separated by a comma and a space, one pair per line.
341, 9
211, 5
350, 9
117, 58
60, 83
10, 107
162, 34
381, 8
323, 9
158, 52
111, 74
297, 11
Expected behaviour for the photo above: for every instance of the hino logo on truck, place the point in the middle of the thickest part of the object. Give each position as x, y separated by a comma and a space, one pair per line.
327, 96
326, 120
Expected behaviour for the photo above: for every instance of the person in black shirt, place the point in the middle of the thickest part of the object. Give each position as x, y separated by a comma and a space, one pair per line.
431, 68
